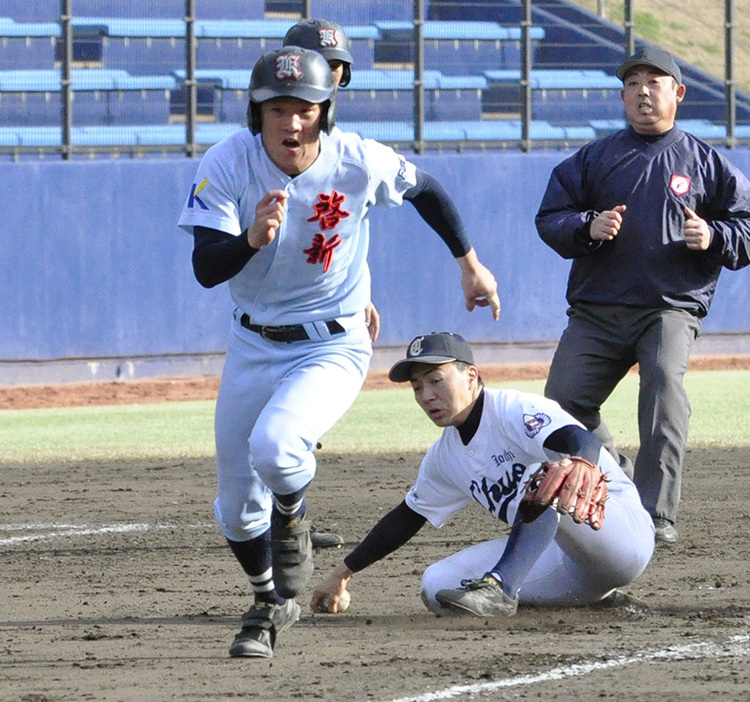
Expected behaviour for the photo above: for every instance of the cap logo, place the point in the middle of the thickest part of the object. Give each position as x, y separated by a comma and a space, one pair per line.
415, 348
679, 185
327, 38
288, 67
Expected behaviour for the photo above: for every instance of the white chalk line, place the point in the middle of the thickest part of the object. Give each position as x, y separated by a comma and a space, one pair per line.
737, 646
61, 531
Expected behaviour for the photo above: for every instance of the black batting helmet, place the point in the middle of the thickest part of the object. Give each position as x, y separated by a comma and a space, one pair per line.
327, 38
291, 72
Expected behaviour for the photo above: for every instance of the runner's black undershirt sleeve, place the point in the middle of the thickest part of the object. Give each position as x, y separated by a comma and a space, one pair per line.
389, 534
218, 256
436, 207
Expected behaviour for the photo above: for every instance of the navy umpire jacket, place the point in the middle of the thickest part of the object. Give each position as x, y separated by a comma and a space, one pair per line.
647, 264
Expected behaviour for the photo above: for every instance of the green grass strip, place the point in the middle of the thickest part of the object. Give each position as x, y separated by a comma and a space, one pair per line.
385, 420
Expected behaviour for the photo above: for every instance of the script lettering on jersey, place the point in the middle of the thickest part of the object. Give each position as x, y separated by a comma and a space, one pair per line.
496, 496
503, 457
402, 167
327, 212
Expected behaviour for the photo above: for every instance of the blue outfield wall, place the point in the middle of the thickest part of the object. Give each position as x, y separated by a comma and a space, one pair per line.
93, 264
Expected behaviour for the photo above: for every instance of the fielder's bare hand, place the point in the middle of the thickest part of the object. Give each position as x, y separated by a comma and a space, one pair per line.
269, 214
607, 224
696, 231
331, 595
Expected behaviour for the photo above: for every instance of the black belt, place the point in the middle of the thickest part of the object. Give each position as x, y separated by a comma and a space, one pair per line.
286, 334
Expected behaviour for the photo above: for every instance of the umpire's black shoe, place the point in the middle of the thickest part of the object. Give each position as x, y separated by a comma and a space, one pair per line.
292, 554
261, 624
483, 597
665, 531
325, 539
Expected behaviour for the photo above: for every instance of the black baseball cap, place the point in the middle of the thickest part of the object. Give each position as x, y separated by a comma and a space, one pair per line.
437, 348
655, 58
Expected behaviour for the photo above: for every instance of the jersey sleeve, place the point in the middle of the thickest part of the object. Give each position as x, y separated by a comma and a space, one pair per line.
434, 495
391, 175
213, 200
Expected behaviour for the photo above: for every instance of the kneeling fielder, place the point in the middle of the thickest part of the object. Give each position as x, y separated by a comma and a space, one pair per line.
560, 550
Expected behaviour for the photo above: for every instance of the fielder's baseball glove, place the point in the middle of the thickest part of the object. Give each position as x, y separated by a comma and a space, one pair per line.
572, 486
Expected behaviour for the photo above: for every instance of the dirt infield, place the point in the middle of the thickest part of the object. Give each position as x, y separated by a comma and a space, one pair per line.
117, 586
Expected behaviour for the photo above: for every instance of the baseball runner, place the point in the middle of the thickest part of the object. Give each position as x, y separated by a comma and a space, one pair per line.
280, 212
578, 532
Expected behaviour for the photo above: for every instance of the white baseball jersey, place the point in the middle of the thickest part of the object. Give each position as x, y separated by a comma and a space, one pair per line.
316, 268
580, 565
493, 468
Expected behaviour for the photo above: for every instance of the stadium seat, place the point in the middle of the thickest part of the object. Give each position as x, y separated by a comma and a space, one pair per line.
572, 97
460, 48
100, 97
389, 95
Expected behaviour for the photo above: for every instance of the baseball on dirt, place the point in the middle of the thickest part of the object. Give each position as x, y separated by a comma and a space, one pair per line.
344, 601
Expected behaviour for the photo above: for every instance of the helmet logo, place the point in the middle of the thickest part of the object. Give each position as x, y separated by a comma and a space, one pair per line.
287, 67
327, 38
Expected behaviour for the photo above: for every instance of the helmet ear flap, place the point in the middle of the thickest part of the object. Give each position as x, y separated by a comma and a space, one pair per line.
346, 76
253, 117
327, 116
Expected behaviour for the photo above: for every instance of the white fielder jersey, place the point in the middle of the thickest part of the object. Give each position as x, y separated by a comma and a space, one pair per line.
495, 465
316, 268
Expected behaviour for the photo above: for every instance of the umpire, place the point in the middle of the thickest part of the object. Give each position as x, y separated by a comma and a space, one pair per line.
649, 216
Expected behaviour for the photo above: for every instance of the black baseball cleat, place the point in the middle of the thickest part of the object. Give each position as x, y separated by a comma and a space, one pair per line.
665, 531
261, 624
483, 597
325, 539
292, 556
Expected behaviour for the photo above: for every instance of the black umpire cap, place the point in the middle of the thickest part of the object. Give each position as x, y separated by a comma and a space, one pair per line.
655, 58
436, 348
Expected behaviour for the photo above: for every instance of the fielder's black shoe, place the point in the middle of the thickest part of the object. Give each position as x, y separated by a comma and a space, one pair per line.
292, 556
261, 624
665, 531
325, 539
484, 597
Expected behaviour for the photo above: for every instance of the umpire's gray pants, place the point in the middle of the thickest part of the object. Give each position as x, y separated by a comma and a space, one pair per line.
598, 347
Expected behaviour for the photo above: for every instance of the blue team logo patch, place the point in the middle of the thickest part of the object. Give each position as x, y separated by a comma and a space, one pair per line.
534, 423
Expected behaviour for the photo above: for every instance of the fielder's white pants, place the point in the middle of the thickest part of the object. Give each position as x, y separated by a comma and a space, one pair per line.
580, 566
